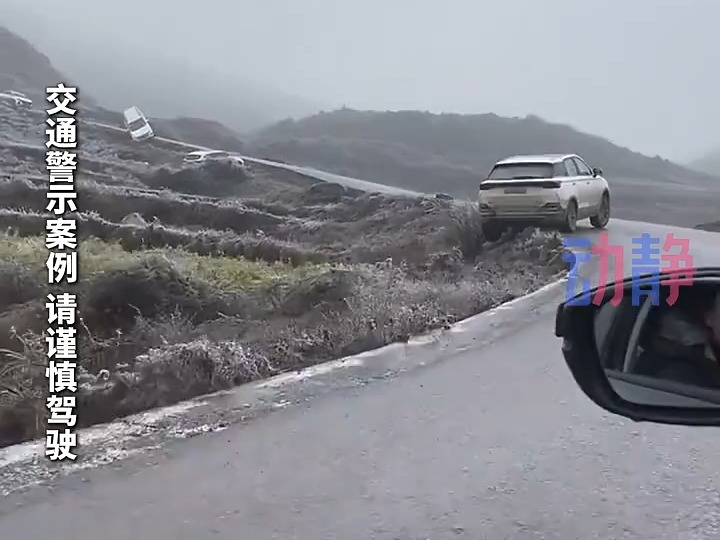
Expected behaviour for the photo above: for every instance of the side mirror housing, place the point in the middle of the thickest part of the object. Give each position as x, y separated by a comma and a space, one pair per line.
597, 171
651, 357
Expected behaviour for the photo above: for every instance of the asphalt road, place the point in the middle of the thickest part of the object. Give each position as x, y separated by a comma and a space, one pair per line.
493, 442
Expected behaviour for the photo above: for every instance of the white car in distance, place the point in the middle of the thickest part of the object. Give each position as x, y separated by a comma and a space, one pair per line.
541, 190
203, 156
16, 99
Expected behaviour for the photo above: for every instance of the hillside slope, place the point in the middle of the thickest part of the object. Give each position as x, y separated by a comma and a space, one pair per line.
198, 131
25, 69
193, 277
120, 74
448, 152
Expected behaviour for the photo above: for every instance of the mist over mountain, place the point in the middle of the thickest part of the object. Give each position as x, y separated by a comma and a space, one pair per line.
25, 69
637, 73
163, 84
210, 106
708, 163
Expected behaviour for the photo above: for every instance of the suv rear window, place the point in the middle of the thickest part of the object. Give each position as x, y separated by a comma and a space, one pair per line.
513, 171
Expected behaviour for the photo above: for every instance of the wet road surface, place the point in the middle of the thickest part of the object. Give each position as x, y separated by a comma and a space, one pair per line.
494, 442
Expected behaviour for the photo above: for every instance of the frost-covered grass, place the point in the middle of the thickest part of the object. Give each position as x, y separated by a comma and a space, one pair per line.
221, 291
166, 325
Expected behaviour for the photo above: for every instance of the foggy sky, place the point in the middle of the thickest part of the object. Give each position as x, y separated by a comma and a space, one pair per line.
644, 73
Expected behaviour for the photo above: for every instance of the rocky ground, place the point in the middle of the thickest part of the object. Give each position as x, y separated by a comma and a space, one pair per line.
198, 279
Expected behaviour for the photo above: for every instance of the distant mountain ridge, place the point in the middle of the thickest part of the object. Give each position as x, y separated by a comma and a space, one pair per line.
23, 68
429, 152
410, 149
119, 78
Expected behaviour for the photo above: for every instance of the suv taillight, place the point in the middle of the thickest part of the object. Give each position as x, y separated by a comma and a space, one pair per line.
550, 184
544, 184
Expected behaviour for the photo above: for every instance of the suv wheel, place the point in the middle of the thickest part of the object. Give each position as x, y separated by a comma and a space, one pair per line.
570, 223
602, 218
492, 230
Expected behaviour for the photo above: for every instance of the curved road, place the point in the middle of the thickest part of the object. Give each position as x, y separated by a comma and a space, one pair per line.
495, 441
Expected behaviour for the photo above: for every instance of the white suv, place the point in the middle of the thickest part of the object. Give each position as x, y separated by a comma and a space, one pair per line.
552, 189
202, 156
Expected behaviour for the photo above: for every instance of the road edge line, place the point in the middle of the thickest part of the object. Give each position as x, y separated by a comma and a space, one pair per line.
13, 455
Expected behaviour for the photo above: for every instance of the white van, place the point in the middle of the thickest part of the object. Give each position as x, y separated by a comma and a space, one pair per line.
137, 124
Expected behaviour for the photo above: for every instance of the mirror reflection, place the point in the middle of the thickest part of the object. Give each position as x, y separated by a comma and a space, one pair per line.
660, 352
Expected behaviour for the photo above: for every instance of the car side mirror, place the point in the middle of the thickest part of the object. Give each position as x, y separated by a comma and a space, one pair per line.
648, 348
597, 171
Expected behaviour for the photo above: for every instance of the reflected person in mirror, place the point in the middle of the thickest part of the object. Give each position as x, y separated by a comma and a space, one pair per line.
682, 342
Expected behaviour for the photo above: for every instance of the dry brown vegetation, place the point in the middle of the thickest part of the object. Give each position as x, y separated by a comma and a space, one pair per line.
209, 292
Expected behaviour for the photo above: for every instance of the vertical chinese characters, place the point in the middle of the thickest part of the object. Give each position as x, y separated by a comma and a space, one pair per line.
62, 264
